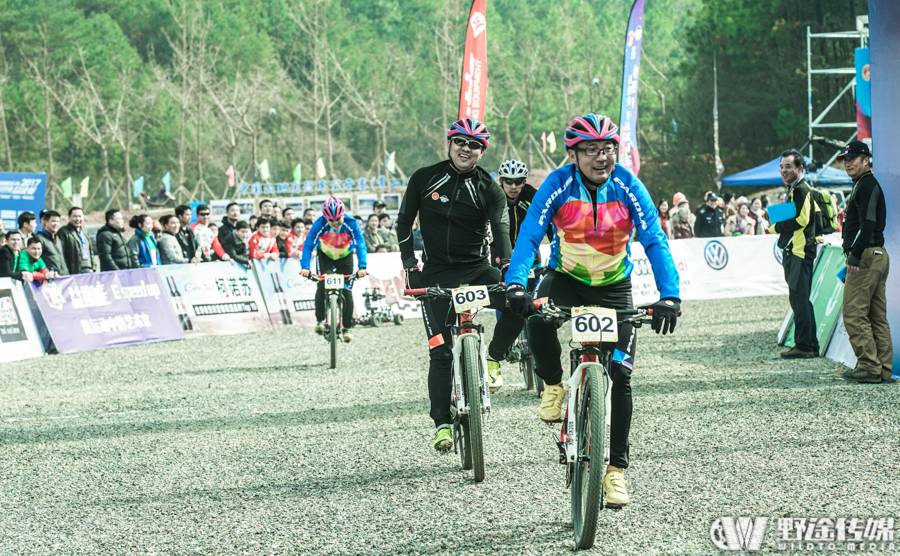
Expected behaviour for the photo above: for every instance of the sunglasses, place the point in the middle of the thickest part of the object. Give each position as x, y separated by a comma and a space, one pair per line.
472, 144
203, 214
517, 181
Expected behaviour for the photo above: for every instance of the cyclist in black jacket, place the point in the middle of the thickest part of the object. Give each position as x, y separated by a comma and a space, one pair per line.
455, 201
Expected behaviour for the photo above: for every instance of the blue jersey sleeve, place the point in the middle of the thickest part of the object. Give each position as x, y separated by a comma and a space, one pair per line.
651, 235
312, 239
359, 241
548, 199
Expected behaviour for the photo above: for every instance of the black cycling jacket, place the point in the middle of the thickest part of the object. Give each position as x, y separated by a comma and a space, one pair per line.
454, 210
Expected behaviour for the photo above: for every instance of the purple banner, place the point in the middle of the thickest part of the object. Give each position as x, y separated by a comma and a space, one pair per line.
95, 311
628, 116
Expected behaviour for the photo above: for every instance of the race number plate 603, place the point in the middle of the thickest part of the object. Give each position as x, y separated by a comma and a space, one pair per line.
470, 297
594, 324
334, 281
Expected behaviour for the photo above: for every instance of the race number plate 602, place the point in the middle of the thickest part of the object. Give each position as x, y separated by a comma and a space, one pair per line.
594, 324
334, 281
470, 297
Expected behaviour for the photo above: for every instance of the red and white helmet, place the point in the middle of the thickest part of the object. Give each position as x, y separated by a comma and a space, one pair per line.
333, 208
592, 127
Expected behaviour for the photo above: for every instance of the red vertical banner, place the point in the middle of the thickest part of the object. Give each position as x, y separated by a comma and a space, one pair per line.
473, 92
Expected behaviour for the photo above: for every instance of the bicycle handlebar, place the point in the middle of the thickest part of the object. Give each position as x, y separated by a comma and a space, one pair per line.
548, 310
349, 278
435, 292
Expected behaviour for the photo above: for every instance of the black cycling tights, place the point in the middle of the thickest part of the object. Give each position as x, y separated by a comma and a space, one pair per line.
439, 317
568, 292
330, 266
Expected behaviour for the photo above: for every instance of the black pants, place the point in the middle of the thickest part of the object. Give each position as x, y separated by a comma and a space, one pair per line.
331, 266
798, 275
568, 292
439, 317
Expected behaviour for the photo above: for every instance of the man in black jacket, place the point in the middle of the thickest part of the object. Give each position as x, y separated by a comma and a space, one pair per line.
455, 201
76, 246
797, 240
111, 245
52, 253
709, 218
190, 248
9, 257
229, 221
865, 302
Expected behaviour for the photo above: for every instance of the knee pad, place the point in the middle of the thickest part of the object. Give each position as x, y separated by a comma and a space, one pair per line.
441, 354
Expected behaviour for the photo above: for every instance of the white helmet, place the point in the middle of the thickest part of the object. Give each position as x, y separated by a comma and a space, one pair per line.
513, 169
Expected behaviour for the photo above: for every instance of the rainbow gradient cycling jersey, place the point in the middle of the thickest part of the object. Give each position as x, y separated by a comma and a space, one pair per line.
592, 238
334, 244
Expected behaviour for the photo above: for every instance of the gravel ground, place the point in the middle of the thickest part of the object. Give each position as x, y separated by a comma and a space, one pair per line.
188, 448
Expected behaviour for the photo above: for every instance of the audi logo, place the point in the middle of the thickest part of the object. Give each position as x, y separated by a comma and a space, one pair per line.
716, 255
641, 267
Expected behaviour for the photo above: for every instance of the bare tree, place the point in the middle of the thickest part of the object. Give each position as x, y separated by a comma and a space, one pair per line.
134, 112
377, 105
46, 74
4, 72
448, 57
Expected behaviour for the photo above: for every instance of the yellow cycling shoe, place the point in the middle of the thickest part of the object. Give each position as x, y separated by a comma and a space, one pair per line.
551, 403
443, 440
495, 381
615, 487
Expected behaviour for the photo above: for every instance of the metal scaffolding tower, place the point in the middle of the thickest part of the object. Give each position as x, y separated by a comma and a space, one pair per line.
862, 35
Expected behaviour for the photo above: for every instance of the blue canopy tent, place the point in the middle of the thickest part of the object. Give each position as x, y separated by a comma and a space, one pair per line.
768, 175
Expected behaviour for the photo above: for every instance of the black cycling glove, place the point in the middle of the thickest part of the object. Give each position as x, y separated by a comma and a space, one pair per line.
665, 315
519, 301
414, 280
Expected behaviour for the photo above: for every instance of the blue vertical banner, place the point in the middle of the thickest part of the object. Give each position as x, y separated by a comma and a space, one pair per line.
884, 43
863, 95
21, 192
628, 116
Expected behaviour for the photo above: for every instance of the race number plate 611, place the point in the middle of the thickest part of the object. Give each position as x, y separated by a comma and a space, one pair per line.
470, 297
334, 281
594, 324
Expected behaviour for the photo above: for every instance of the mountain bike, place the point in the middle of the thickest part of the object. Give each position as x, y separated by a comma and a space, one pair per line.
470, 397
334, 306
584, 436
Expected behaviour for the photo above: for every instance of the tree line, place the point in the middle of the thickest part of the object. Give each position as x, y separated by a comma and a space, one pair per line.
116, 89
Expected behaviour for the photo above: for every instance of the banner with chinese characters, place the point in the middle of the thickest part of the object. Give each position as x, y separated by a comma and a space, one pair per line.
19, 337
20, 193
290, 298
86, 312
215, 299
629, 157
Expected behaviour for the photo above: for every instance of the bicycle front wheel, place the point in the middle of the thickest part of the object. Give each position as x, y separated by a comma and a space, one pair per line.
335, 321
587, 476
472, 424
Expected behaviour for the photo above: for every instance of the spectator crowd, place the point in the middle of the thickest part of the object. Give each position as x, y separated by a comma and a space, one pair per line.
723, 216
41, 248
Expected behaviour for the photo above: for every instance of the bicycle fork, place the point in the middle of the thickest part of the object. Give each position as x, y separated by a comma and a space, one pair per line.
460, 403
568, 441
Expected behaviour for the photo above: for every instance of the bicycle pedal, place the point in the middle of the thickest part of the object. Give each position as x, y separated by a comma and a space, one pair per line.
563, 457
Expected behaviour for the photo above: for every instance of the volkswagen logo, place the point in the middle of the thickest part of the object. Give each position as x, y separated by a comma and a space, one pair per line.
716, 255
779, 255
641, 267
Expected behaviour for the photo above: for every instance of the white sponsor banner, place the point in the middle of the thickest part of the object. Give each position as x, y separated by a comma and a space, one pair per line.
712, 268
19, 338
385, 273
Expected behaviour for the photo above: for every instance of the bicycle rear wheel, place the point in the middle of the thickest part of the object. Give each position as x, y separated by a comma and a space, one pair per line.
472, 425
587, 477
334, 320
